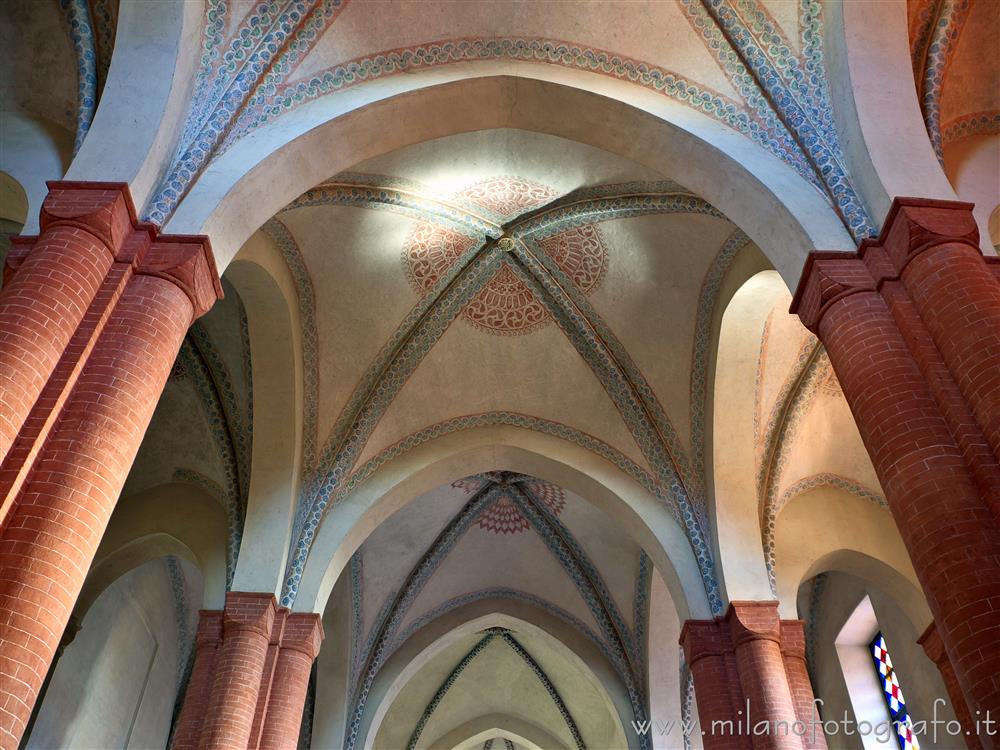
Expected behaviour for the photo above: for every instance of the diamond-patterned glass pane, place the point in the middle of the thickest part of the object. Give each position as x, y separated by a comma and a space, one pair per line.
893, 695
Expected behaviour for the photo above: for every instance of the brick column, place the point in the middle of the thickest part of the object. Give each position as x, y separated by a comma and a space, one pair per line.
300, 643
755, 631
199, 687
247, 623
934, 248
57, 289
948, 527
934, 648
793, 652
709, 654
267, 678
61, 511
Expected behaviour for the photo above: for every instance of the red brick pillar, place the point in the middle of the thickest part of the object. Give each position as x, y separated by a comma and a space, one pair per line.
793, 652
934, 247
948, 527
755, 631
267, 678
247, 622
199, 688
709, 654
52, 282
934, 648
57, 276
300, 643
60, 513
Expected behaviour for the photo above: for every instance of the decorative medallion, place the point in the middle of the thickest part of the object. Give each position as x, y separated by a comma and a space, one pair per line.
505, 306
502, 516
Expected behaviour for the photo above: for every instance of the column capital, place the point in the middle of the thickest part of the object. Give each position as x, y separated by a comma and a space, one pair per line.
250, 611
303, 632
702, 638
914, 225
188, 262
103, 210
209, 631
827, 278
753, 621
793, 639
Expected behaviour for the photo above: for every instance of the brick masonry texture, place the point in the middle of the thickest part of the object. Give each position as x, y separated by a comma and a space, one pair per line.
54, 523
749, 658
251, 676
883, 316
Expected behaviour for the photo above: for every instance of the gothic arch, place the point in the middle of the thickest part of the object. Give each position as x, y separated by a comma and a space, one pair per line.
172, 519
876, 107
442, 459
269, 294
846, 533
257, 177
406, 663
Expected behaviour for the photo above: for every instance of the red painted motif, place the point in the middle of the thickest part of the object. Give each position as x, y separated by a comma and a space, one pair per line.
505, 306
503, 517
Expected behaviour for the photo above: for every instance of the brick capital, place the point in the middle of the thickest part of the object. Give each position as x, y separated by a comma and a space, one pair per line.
250, 611
303, 632
753, 621
793, 639
933, 646
702, 638
917, 224
827, 278
209, 628
104, 209
188, 262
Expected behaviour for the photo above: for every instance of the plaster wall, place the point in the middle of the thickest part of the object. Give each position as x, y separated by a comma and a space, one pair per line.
115, 684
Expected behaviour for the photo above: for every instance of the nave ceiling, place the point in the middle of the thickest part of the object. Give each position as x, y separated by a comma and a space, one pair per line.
629, 320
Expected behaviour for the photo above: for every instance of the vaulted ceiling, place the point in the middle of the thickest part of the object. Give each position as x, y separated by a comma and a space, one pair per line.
490, 280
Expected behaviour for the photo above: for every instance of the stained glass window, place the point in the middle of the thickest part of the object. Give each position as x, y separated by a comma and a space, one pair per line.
893, 695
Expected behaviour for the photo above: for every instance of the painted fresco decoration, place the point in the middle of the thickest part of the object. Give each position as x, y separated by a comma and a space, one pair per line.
503, 517
235, 73
935, 30
246, 80
787, 91
810, 374
934, 35
466, 278
91, 25
623, 646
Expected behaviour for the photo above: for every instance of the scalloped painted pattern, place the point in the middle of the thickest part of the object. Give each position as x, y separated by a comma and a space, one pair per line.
81, 34
970, 125
237, 74
944, 35
784, 92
